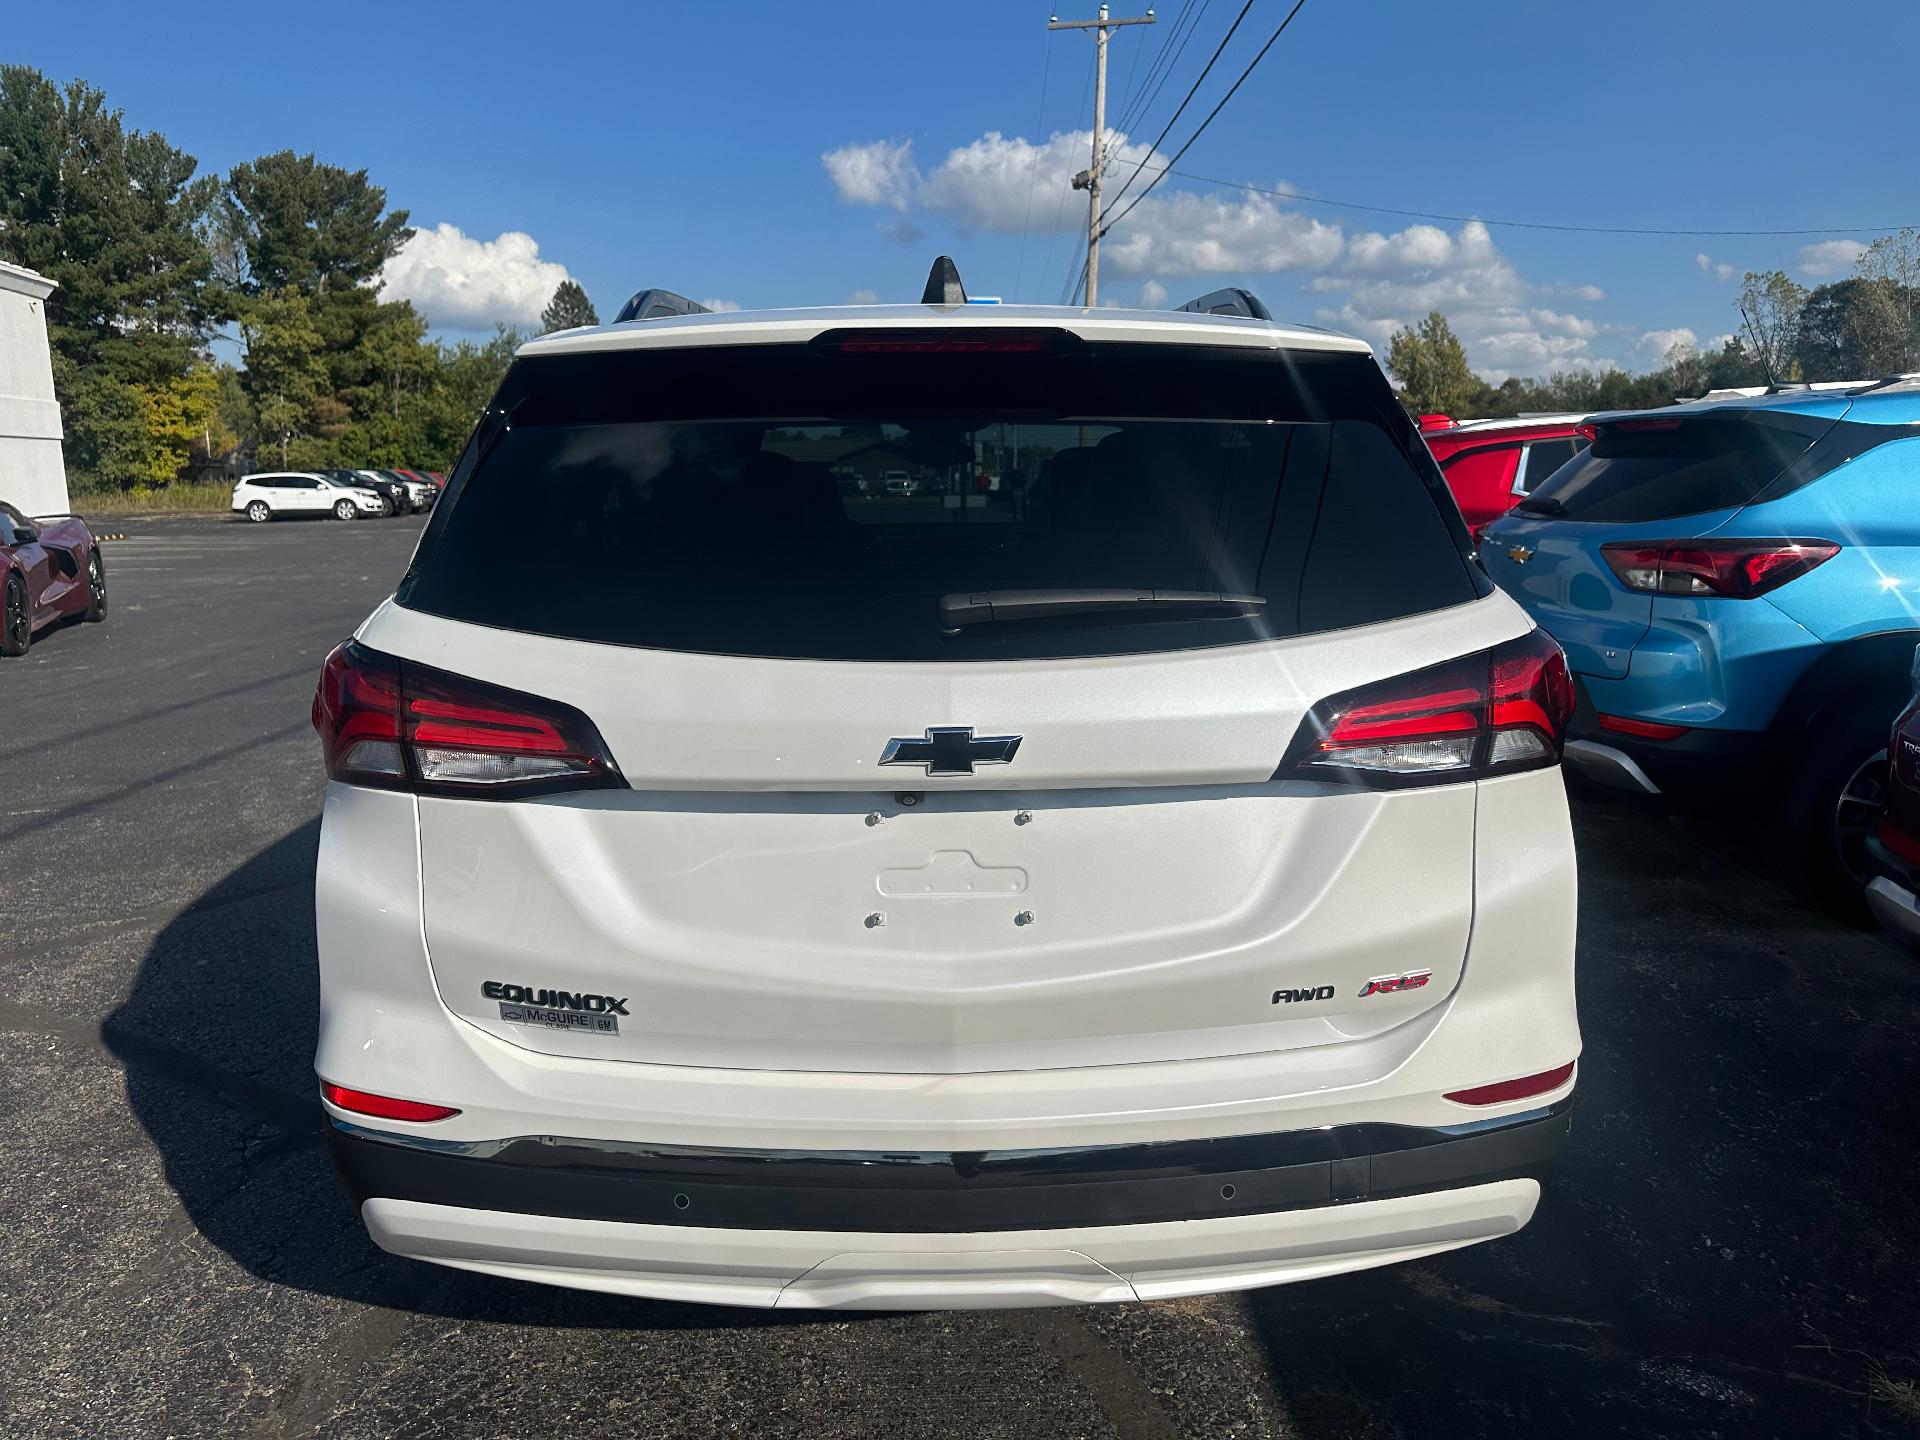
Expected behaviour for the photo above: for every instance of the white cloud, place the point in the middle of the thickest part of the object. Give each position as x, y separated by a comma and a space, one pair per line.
1651, 349
1189, 234
462, 283
1719, 269
864, 297
1373, 283
1393, 281
1827, 258
721, 306
880, 172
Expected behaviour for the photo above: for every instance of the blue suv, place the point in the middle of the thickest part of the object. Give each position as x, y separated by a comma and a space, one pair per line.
1736, 584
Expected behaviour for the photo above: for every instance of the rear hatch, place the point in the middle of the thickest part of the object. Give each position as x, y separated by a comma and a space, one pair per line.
1658, 476
908, 786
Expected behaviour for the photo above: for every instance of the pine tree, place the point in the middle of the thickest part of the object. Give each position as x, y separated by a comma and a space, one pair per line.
568, 308
1431, 366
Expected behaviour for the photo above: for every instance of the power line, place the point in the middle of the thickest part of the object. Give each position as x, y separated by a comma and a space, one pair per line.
1305, 199
1205, 70
1039, 124
1279, 30
1060, 208
1172, 46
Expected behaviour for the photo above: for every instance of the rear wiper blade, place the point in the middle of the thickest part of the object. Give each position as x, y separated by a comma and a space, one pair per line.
1541, 505
990, 607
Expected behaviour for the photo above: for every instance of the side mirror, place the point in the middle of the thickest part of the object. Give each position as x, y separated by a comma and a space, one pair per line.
25, 534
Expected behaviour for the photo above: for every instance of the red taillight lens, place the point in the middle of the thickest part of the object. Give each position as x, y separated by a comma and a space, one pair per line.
1736, 569
1504, 1090
398, 725
383, 1106
1898, 841
1641, 729
1501, 710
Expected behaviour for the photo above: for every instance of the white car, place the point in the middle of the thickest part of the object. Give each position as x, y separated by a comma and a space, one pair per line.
1162, 886
274, 494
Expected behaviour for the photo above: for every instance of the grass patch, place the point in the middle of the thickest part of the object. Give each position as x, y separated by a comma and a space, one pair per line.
179, 499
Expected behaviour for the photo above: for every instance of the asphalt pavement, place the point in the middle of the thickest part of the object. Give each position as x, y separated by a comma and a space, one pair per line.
1728, 1247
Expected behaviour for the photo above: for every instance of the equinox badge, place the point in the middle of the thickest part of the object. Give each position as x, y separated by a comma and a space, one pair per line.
950, 750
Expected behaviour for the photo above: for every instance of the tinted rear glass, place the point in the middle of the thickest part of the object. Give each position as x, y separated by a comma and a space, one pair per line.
793, 502
1654, 468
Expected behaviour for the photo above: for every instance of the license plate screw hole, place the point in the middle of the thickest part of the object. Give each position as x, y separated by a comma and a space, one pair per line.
875, 920
1025, 917
1025, 817
1227, 1192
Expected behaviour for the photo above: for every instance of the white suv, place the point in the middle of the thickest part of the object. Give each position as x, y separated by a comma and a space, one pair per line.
271, 495
1134, 864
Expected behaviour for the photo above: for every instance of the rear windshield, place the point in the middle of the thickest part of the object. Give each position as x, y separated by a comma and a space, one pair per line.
799, 502
1656, 467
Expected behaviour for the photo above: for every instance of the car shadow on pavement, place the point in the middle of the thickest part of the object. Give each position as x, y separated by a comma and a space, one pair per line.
1727, 1244
216, 1037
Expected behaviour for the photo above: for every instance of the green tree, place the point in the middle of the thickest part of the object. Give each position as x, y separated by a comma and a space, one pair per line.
1770, 305
285, 375
179, 418
114, 217
286, 221
1889, 308
1431, 367
568, 308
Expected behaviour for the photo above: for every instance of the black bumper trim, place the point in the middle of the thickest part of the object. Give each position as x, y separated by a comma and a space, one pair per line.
983, 1191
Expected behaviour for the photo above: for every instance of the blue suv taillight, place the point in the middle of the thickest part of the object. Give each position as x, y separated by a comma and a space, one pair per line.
1735, 569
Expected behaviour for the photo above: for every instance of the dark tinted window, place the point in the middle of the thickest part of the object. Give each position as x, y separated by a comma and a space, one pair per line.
1543, 458
777, 501
1655, 467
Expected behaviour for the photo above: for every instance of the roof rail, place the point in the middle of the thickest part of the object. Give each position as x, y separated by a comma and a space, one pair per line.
656, 304
1907, 377
943, 284
1231, 301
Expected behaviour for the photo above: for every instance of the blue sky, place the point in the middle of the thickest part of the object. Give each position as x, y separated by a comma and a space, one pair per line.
769, 155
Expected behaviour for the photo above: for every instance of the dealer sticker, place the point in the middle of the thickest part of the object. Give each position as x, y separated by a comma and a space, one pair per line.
560, 1019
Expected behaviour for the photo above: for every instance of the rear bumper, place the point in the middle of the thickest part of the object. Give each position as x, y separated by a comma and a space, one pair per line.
1095, 1225
1893, 895
1650, 766
945, 1192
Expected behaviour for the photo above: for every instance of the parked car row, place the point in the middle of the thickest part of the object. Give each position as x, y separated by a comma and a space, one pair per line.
1734, 584
343, 494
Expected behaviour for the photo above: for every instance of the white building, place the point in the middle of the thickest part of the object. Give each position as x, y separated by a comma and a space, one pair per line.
33, 477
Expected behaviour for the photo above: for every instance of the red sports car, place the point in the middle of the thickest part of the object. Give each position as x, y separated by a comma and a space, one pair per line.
49, 570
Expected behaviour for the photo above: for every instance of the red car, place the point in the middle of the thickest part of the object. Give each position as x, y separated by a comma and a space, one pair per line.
1490, 465
49, 570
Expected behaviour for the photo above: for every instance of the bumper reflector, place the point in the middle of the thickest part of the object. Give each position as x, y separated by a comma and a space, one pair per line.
1504, 1090
1644, 729
382, 1106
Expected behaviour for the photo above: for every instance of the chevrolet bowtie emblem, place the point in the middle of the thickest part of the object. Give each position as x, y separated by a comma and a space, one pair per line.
950, 750
1519, 554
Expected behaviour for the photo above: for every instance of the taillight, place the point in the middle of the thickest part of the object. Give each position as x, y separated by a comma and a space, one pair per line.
1736, 569
401, 726
1498, 711
383, 1106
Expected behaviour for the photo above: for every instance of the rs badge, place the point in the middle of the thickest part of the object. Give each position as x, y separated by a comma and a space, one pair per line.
1393, 984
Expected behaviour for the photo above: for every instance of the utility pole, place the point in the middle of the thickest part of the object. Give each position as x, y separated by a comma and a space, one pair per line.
1089, 179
